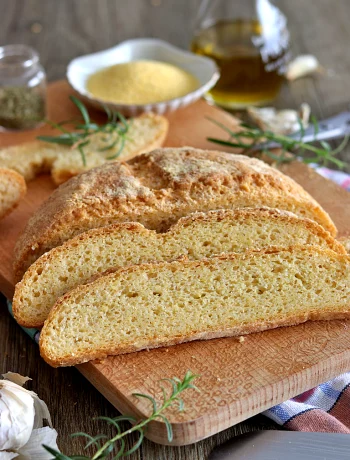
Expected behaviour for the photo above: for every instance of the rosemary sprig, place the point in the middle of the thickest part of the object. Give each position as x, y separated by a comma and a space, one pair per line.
250, 136
118, 442
115, 131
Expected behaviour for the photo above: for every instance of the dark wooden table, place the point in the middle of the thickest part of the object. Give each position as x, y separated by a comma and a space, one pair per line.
61, 30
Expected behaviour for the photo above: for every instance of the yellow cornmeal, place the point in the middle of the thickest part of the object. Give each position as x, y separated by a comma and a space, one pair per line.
141, 82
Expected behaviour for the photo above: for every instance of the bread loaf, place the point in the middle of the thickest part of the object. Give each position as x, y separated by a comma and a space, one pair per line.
197, 236
12, 190
146, 133
153, 305
156, 189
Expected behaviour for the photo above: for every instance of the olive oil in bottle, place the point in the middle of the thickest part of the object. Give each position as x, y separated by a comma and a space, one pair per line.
251, 69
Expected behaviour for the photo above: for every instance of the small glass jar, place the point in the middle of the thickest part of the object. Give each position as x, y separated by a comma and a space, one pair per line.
22, 88
249, 41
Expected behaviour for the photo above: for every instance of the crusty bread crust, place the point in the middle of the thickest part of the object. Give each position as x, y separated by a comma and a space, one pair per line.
159, 341
345, 242
15, 191
156, 189
337, 245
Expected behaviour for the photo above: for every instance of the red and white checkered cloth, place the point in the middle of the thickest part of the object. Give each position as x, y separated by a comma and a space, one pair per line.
327, 407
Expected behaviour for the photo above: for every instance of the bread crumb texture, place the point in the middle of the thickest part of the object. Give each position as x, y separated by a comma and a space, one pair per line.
197, 236
152, 305
156, 189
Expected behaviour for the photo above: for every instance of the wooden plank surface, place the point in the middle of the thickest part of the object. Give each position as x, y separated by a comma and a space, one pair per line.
68, 28
235, 382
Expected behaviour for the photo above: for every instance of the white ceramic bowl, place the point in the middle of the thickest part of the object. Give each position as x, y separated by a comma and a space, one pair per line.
204, 69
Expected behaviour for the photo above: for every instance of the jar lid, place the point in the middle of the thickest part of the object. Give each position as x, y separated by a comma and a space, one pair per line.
17, 56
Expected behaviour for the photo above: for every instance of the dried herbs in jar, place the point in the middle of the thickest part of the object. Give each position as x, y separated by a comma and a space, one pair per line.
22, 88
21, 107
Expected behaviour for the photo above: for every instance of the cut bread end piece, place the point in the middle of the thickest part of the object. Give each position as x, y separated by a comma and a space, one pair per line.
31, 158
154, 305
197, 236
146, 132
12, 190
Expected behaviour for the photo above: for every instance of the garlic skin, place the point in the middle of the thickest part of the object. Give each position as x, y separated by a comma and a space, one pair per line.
22, 414
280, 121
34, 450
8, 455
302, 66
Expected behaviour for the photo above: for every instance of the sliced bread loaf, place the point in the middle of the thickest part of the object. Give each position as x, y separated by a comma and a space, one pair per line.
153, 305
12, 190
197, 236
146, 133
156, 189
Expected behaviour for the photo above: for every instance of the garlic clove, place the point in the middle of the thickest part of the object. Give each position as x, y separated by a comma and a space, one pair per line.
302, 66
21, 412
40, 408
34, 449
280, 121
16, 415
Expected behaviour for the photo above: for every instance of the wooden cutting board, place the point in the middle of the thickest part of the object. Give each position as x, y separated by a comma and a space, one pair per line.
237, 380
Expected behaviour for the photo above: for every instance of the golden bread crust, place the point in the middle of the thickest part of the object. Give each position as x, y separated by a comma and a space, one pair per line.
156, 189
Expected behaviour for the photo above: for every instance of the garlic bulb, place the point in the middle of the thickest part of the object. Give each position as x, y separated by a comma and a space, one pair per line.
280, 121
16, 415
22, 414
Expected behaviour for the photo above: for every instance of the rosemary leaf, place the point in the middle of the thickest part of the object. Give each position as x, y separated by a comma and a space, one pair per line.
57, 455
229, 143
57, 140
109, 146
153, 401
82, 109
116, 130
322, 151
113, 157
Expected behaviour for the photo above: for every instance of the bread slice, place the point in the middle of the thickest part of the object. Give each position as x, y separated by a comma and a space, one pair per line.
198, 236
12, 190
156, 189
153, 305
31, 158
146, 133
